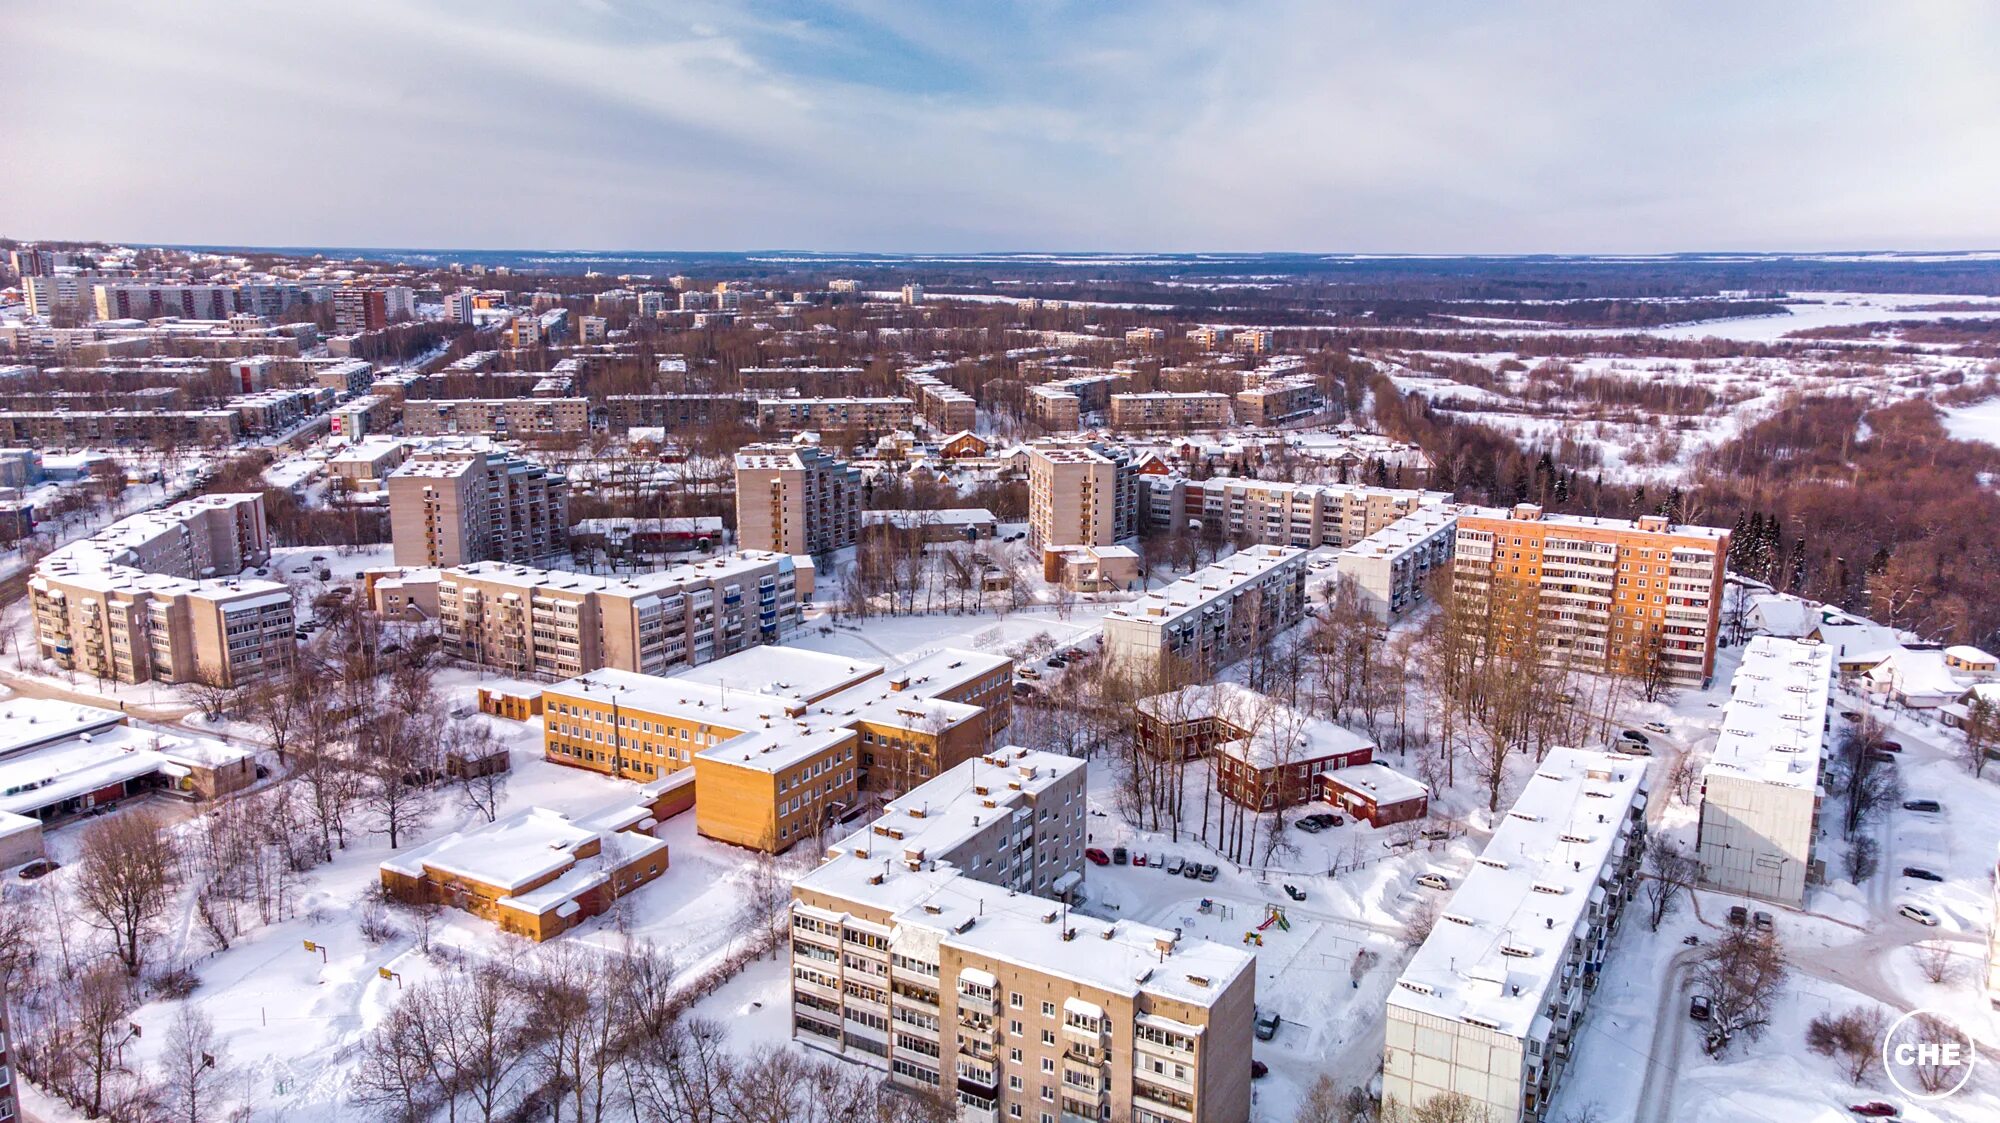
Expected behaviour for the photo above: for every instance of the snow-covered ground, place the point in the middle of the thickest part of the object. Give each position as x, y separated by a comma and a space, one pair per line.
1978, 422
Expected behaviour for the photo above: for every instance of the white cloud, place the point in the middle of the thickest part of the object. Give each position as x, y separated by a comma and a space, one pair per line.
1368, 127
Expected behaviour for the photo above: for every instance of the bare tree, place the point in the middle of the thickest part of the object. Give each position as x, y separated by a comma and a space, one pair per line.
1937, 961
194, 1078
126, 879
1854, 1038
1743, 974
1670, 871
1424, 917
1861, 860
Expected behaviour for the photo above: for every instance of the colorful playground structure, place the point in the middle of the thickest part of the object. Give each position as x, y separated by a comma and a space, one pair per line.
1273, 914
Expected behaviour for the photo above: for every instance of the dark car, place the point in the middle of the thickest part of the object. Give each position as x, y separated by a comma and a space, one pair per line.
1874, 1109
1698, 1007
1922, 874
40, 867
1294, 892
1258, 1069
1058, 661
1635, 737
1892, 746
1191, 871
1930, 806
1738, 915
1096, 857
1267, 1024
1119, 855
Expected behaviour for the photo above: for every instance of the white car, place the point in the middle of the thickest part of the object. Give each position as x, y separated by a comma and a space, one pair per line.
1657, 727
1433, 881
1920, 914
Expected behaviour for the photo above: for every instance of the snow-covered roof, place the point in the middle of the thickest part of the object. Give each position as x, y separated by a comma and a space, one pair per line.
673, 578
38, 774
1779, 614
1204, 587
527, 846
1858, 641
1775, 724
1269, 726
902, 864
1379, 782
1966, 653
1497, 949
1918, 674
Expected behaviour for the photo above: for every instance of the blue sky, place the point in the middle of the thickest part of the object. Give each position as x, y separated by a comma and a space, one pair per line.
865, 124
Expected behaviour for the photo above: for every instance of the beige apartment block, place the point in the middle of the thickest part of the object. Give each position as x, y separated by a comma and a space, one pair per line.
1606, 595
1060, 406
1211, 617
551, 624
68, 429
1263, 511
147, 598
472, 502
1277, 400
855, 419
1079, 495
1167, 412
945, 408
936, 945
498, 417
796, 500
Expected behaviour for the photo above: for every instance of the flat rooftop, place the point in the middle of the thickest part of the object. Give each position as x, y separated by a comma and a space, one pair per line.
1774, 728
1590, 523
1494, 955
666, 580
1206, 586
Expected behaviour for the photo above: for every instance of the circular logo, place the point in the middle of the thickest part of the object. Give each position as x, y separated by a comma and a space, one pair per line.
1926, 1056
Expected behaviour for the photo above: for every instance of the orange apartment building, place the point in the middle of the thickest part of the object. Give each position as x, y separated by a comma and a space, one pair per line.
781, 741
1608, 595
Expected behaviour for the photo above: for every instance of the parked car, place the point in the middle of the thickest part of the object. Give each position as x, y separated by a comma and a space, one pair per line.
1208, 872
1929, 806
1762, 919
1874, 1109
1635, 737
1191, 871
1139, 858
1096, 857
1738, 916
1698, 1007
1294, 892
1159, 860
1435, 834
1657, 727
1267, 1024
1258, 1069
1174, 865
1309, 824
1892, 746
1119, 855
1433, 881
1851, 715
1027, 672
1632, 748
1922, 874
1918, 913
1058, 662
40, 867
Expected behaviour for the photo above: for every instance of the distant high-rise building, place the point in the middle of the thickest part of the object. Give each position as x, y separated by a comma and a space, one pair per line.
795, 500
360, 309
592, 330
459, 306
913, 293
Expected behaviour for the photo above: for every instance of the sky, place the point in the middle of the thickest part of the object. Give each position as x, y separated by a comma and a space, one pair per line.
948, 126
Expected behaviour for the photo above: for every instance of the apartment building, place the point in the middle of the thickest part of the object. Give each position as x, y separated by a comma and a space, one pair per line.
1276, 400
145, 399
781, 740
945, 408
1080, 495
145, 300
796, 500
936, 945
356, 419
1061, 406
1761, 789
359, 310
10, 1092
1251, 341
1145, 337
856, 420
813, 381
1489, 1006
551, 624
913, 294
499, 417
149, 598
1168, 412
1601, 595
1263, 511
1391, 567
272, 411
473, 502
1211, 617
678, 413
120, 428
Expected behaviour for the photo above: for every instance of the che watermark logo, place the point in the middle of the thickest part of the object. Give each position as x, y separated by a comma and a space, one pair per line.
1926, 1056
